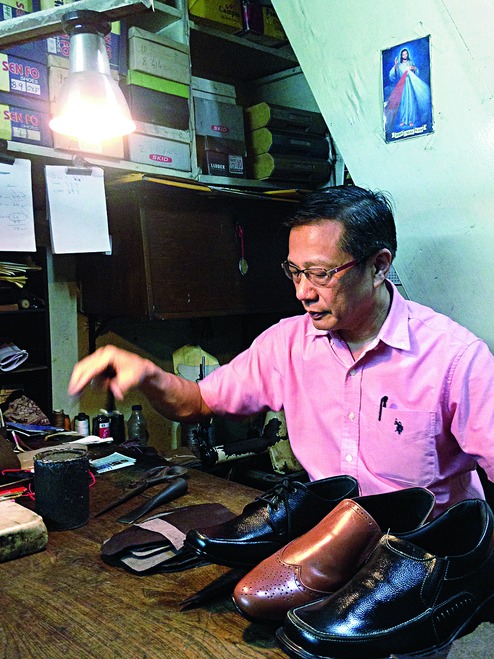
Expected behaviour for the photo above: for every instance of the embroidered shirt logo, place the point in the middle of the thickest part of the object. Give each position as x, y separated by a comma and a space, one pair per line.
398, 427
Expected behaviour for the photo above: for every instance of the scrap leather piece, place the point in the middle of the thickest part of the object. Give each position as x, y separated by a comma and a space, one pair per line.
156, 544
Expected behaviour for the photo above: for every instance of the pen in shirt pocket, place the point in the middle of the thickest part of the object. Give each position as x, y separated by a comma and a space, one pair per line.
382, 404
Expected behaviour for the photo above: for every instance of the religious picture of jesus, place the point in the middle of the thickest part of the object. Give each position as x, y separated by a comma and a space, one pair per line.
407, 90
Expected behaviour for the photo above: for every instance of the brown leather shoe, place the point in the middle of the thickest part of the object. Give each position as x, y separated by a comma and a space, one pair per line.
325, 558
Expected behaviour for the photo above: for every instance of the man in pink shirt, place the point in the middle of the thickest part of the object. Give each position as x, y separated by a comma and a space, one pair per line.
372, 385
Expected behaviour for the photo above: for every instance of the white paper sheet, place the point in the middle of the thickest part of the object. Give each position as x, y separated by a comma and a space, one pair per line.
77, 210
16, 207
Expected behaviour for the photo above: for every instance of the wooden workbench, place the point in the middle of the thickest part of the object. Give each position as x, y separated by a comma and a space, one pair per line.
66, 603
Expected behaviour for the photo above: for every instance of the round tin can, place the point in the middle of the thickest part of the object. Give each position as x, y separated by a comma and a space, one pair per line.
61, 486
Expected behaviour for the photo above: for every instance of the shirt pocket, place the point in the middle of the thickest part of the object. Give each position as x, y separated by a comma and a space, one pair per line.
401, 447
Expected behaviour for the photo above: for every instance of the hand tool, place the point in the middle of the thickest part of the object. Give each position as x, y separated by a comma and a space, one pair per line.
151, 477
174, 490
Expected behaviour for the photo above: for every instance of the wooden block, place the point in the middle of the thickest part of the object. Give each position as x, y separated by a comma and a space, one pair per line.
22, 531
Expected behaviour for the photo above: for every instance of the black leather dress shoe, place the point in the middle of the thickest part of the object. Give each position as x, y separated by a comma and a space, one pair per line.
270, 521
415, 595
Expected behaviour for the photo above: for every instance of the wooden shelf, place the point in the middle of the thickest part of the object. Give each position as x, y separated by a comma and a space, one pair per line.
42, 24
234, 58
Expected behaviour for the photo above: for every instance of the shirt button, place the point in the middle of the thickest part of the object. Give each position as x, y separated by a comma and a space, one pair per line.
353, 372
351, 416
349, 458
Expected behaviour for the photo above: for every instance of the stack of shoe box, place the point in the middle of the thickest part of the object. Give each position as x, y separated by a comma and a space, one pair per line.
158, 92
219, 127
24, 107
33, 75
287, 144
218, 14
255, 20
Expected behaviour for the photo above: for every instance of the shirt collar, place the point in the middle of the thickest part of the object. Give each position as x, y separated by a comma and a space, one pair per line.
394, 331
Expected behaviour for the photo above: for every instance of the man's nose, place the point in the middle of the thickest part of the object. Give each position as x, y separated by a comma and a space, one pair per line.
304, 290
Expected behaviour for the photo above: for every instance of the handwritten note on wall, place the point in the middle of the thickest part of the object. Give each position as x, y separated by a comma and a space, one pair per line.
77, 210
16, 207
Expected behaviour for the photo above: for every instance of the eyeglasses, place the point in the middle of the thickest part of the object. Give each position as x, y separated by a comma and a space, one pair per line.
316, 276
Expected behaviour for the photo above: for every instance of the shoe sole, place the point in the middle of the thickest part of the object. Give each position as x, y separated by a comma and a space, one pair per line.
485, 613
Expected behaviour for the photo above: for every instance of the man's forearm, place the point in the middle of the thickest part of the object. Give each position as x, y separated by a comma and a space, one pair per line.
175, 398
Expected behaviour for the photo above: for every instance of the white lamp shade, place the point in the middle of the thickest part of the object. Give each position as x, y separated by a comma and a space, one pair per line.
91, 107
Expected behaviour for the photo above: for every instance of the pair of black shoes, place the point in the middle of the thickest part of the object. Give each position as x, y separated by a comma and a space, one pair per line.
418, 591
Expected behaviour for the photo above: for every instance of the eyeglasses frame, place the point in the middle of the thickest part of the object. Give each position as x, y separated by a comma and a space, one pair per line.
307, 271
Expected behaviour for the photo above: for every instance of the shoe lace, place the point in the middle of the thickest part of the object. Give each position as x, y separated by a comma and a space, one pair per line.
280, 494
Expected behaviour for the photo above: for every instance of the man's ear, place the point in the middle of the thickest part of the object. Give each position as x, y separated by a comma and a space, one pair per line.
382, 264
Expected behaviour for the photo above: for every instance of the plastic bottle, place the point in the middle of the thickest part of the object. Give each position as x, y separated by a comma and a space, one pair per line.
137, 426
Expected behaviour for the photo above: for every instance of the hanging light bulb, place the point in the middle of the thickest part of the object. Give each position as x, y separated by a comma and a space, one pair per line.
90, 106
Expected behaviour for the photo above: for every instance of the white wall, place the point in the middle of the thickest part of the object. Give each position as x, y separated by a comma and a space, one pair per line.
442, 183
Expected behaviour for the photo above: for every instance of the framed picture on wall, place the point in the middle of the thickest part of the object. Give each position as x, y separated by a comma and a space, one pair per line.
406, 81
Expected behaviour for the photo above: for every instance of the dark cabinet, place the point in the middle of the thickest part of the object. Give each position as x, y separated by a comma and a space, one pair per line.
28, 327
176, 254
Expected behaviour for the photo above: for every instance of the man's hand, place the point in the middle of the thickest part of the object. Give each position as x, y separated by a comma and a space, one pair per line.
127, 369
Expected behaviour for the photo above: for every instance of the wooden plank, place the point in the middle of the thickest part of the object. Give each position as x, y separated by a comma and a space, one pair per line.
66, 603
46, 23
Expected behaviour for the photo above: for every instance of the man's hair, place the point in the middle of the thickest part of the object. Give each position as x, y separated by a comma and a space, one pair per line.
366, 216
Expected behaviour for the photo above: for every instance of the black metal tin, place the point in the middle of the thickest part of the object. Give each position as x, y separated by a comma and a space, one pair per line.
61, 486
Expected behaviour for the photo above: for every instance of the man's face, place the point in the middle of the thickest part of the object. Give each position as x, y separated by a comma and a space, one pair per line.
347, 303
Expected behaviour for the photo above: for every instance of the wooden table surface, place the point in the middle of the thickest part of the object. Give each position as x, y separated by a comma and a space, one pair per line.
65, 602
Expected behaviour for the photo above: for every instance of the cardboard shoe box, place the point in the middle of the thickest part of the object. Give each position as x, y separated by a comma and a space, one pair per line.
23, 77
279, 117
33, 50
223, 15
154, 54
24, 120
290, 168
221, 157
157, 101
265, 140
222, 120
213, 90
158, 151
262, 25
231, 165
13, 8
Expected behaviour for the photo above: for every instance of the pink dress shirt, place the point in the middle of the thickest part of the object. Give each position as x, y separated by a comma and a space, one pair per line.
435, 424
